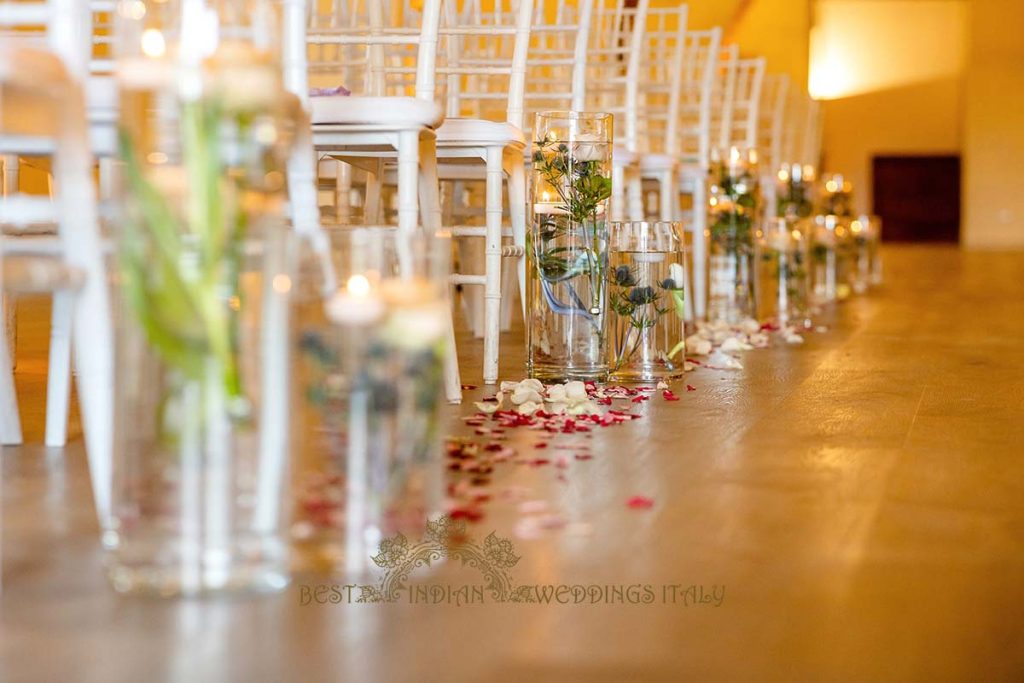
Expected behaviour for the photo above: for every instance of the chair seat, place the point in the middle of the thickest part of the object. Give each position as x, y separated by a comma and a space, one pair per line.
457, 131
378, 111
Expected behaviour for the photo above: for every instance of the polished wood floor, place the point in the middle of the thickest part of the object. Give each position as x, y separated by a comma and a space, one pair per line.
860, 498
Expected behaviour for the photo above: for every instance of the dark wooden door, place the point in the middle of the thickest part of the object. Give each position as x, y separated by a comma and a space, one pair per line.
918, 197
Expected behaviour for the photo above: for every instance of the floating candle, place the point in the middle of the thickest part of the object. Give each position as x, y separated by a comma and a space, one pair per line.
356, 304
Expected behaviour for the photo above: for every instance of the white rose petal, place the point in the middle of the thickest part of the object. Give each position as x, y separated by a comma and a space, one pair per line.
576, 390
585, 408
662, 385
528, 408
794, 338
722, 361
486, 407
734, 344
534, 384
697, 345
525, 395
750, 326
556, 393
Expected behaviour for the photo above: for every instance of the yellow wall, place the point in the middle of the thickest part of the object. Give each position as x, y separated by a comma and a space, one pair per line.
994, 126
895, 72
779, 31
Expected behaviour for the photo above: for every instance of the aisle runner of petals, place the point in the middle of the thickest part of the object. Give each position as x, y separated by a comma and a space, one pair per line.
562, 418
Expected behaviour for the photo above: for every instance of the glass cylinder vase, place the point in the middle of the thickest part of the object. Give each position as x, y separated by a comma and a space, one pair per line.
824, 259
368, 391
794, 186
647, 284
733, 213
204, 263
567, 246
782, 273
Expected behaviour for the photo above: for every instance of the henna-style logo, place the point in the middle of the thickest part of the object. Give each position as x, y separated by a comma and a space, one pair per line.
445, 539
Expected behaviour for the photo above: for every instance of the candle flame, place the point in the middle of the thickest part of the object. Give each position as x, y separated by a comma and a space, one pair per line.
358, 285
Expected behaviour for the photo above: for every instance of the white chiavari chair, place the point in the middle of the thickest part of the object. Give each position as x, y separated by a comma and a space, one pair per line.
483, 61
661, 80
43, 112
555, 80
96, 72
688, 146
810, 151
386, 59
613, 76
744, 115
774, 97
392, 113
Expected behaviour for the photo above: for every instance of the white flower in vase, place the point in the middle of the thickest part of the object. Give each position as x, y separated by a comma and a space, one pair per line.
589, 147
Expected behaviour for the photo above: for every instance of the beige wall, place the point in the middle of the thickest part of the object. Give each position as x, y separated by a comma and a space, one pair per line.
994, 126
892, 73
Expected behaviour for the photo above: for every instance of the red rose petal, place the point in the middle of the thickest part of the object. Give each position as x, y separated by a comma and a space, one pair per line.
669, 396
690, 387
640, 503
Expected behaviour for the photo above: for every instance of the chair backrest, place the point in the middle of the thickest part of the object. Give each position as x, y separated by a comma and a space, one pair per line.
810, 151
374, 47
483, 58
746, 102
556, 68
661, 78
774, 101
101, 61
614, 66
723, 92
693, 138
62, 26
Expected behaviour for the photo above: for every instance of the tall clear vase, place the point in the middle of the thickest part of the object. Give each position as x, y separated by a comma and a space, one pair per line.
204, 274
567, 246
733, 214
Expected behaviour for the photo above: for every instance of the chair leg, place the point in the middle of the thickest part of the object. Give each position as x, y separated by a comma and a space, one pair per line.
667, 196
618, 192
9, 306
10, 421
106, 170
372, 203
430, 203
700, 250
634, 186
492, 262
408, 179
58, 382
342, 191
11, 168
517, 209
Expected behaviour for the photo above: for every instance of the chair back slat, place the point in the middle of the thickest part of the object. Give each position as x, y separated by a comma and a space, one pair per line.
614, 66
692, 140
774, 98
661, 78
486, 52
555, 77
746, 102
